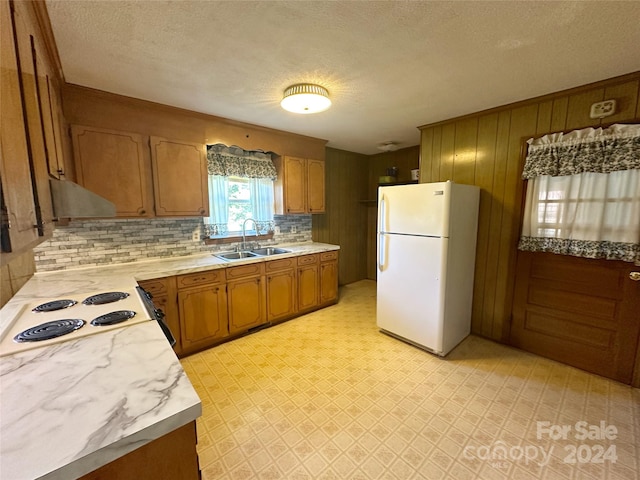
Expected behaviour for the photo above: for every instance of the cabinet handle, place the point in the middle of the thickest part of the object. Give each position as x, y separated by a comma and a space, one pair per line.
202, 211
142, 212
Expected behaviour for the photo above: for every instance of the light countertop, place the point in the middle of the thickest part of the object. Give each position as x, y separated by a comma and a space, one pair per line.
69, 408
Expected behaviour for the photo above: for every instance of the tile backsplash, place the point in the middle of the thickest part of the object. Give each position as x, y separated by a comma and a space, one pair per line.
100, 242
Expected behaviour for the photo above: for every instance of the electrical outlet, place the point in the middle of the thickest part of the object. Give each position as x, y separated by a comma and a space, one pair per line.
276, 230
294, 229
195, 236
603, 109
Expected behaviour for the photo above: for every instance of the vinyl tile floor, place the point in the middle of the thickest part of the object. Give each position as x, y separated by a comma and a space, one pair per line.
327, 396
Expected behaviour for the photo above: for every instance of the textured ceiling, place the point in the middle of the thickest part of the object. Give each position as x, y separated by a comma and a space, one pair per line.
389, 66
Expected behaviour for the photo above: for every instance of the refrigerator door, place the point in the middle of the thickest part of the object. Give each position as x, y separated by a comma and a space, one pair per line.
421, 209
410, 291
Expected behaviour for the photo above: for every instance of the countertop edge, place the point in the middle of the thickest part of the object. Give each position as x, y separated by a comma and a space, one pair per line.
120, 448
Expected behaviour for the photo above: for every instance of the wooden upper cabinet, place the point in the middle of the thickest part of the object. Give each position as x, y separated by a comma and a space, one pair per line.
315, 186
299, 187
50, 104
295, 185
114, 165
31, 56
18, 205
179, 178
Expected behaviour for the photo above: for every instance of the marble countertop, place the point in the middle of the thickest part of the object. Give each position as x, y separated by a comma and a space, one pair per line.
69, 408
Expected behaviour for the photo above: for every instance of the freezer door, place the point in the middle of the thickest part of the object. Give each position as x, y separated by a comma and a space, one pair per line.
410, 291
421, 209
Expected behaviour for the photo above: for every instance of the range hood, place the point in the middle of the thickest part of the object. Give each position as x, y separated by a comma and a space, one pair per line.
70, 200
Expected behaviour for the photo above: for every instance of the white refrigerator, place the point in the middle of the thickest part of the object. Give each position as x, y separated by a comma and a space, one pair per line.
426, 260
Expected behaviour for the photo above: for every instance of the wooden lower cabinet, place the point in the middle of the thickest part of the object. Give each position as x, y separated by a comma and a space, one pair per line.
170, 457
281, 289
203, 315
328, 277
246, 297
308, 282
207, 308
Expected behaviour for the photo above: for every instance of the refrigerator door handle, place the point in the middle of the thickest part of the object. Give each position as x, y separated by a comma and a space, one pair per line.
381, 217
381, 249
382, 213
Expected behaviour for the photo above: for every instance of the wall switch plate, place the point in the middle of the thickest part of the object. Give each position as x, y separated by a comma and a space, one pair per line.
603, 109
276, 230
195, 236
294, 229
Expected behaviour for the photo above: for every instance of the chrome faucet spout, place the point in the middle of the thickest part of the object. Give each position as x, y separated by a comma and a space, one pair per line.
244, 231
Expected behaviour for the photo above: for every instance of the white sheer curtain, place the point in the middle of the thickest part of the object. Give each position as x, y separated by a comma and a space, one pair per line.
262, 201
218, 204
583, 194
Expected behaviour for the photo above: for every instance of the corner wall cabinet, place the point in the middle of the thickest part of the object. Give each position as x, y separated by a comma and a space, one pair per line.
114, 165
210, 307
30, 131
300, 186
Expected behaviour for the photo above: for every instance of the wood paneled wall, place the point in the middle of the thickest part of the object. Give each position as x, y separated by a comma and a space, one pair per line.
344, 222
486, 149
406, 160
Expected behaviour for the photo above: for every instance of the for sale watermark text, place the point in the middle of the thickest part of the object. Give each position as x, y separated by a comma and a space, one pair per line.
580, 431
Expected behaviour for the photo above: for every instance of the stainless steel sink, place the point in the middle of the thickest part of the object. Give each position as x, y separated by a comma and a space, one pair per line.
235, 255
269, 251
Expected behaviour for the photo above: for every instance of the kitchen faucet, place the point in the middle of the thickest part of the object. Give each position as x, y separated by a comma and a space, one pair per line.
244, 232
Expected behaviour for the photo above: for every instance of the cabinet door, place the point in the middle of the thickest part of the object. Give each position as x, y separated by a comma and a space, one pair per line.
114, 165
179, 178
307, 287
315, 186
295, 173
203, 317
328, 282
18, 206
30, 57
281, 295
50, 123
56, 162
247, 304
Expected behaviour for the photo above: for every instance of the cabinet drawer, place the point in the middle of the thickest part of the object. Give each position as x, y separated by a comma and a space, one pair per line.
308, 259
155, 287
325, 256
245, 271
201, 278
282, 264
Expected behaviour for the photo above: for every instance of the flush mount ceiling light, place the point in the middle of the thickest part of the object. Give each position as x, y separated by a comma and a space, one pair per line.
305, 98
388, 146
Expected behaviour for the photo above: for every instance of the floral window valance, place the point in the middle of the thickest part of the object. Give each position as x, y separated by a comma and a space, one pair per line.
236, 162
583, 194
589, 150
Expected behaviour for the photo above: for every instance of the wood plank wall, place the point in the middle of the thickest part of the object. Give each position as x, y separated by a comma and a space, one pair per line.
486, 149
344, 222
405, 159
